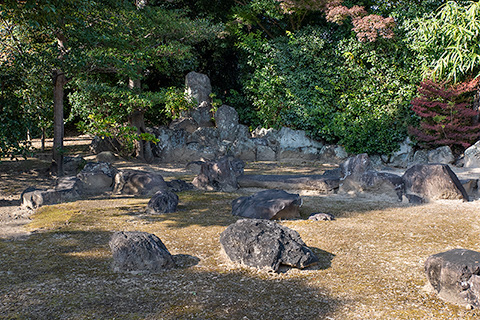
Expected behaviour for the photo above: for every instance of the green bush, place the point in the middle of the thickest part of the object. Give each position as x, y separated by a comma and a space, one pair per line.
339, 91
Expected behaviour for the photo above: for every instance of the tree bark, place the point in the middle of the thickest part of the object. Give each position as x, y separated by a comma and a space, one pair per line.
59, 82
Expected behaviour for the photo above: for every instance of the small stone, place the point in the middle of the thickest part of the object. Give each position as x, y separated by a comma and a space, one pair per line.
321, 217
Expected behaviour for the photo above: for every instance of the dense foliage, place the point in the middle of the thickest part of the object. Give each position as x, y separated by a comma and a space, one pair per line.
345, 71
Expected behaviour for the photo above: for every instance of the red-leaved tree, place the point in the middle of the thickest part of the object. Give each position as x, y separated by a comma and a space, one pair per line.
368, 27
446, 114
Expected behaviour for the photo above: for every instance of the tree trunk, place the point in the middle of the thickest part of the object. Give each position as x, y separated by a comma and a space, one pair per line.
476, 104
143, 149
59, 81
44, 133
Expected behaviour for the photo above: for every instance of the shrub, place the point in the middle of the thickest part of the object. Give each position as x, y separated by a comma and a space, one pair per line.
446, 115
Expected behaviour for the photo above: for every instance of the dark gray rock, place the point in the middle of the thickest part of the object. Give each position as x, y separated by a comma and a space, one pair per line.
204, 137
219, 175
198, 86
187, 124
139, 252
455, 276
265, 244
178, 185
433, 182
106, 156
268, 204
96, 177
374, 182
321, 217
203, 114
73, 165
265, 153
138, 182
318, 183
356, 166
162, 202
226, 119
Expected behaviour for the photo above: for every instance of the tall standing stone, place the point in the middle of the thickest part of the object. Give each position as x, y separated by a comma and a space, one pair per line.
198, 86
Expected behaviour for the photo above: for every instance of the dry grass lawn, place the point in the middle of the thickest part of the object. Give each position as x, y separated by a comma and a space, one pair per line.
371, 265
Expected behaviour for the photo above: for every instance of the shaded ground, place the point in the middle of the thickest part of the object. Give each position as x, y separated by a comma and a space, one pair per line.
371, 266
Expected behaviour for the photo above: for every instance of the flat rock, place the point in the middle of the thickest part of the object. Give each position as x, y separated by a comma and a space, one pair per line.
266, 245
136, 251
320, 183
321, 217
268, 204
455, 276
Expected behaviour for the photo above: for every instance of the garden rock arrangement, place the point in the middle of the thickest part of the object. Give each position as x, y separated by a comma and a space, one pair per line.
188, 140
266, 245
455, 276
97, 178
139, 252
269, 205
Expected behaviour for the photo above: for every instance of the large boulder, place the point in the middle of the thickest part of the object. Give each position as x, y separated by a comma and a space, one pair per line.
136, 182
97, 177
219, 175
265, 244
455, 276
374, 182
226, 119
139, 252
433, 182
292, 139
162, 202
402, 157
441, 155
268, 204
356, 166
73, 165
187, 124
333, 153
203, 114
472, 156
198, 86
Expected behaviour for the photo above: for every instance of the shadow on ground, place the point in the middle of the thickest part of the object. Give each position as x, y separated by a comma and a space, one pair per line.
68, 275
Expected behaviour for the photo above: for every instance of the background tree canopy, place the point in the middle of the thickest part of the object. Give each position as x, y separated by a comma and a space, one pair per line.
344, 71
